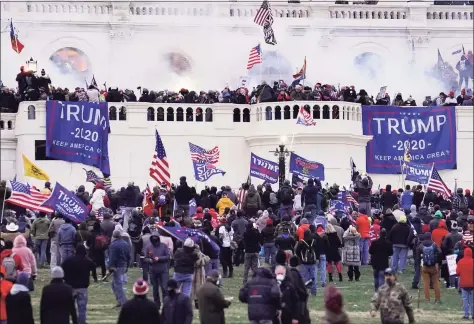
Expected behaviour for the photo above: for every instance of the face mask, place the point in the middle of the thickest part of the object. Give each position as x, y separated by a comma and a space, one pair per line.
280, 277
390, 282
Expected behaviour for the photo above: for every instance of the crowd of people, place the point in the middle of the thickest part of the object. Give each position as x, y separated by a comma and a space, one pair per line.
302, 242
33, 87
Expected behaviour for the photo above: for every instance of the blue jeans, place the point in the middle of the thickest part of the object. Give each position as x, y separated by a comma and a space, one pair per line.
40, 246
379, 278
364, 250
467, 301
159, 280
399, 258
66, 251
310, 272
186, 280
269, 250
117, 285
145, 269
80, 295
212, 265
322, 268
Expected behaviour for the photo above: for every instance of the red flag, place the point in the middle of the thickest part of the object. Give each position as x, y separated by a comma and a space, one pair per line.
17, 46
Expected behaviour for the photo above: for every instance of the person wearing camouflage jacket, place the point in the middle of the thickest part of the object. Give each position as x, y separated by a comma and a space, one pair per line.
393, 301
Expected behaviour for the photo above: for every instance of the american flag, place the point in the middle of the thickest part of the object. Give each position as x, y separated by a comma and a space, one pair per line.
351, 199
29, 198
91, 176
17, 46
255, 57
304, 118
160, 169
264, 14
200, 155
437, 184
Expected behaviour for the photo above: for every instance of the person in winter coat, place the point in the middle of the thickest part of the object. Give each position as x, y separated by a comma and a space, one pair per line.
184, 261
301, 291
334, 303
388, 199
393, 301
39, 230
434, 223
380, 251
183, 195
66, 239
5, 287
139, 309
363, 227
211, 301
239, 225
98, 244
351, 252
363, 187
268, 239
27, 258
465, 270
7, 252
262, 294
18, 302
439, 233
252, 202
429, 253
308, 250
251, 241
56, 224
157, 255
97, 200
406, 198
401, 236
224, 203
119, 260
333, 255
312, 196
290, 310
177, 308
57, 301
388, 220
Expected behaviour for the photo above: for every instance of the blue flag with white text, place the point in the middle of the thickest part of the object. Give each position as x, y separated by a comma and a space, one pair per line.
427, 133
264, 169
418, 172
67, 204
78, 132
306, 168
182, 233
204, 162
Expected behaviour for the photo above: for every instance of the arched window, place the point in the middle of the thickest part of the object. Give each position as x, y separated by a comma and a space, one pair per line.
150, 114
246, 115
179, 114
169, 114
277, 113
208, 115
236, 115
2, 124
286, 112
316, 112
189, 114
268, 113
160, 114
123, 113
9, 124
335, 112
31, 112
326, 111
112, 113
296, 111
199, 115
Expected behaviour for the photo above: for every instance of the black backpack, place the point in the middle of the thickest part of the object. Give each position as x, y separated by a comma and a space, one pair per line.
309, 256
285, 195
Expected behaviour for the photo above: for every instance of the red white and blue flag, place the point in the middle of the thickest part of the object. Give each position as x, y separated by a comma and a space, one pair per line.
255, 57
29, 198
304, 118
17, 46
160, 169
204, 162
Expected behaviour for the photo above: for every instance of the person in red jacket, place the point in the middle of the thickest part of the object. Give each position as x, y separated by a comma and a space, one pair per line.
7, 252
5, 287
363, 227
374, 231
439, 233
465, 271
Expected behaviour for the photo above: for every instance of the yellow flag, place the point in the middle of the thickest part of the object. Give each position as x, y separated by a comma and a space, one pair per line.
33, 171
407, 155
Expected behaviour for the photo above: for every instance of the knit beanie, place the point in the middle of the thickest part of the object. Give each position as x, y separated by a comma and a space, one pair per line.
467, 237
57, 273
280, 257
438, 214
333, 299
189, 242
140, 287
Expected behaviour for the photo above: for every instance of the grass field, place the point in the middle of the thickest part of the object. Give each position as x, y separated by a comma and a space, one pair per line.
357, 297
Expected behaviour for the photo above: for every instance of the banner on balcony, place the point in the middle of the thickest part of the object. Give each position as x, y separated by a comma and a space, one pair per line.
417, 172
263, 169
78, 132
306, 168
427, 135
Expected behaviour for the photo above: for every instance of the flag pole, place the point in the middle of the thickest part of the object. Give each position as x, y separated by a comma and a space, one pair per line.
431, 173
261, 62
279, 69
291, 148
3, 203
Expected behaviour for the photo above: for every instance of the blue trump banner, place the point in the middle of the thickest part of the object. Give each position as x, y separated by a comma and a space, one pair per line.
204, 162
263, 169
67, 204
306, 168
425, 135
418, 172
182, 233
78, 132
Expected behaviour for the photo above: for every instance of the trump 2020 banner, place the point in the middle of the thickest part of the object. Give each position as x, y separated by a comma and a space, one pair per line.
428, 134
78, 132
263, 169
306, 168
417, 172
67, 204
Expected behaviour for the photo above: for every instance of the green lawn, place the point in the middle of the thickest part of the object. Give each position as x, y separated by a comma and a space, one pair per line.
356, 294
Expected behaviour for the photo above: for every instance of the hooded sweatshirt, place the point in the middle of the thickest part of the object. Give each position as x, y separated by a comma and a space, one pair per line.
97, 200
223, 203
40, 228
439, 233
66, 235
27, 257
160, 251
465, 269
5, 287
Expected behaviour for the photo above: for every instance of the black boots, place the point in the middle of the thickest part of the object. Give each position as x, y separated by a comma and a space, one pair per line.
330, 277
231, 273
340, 277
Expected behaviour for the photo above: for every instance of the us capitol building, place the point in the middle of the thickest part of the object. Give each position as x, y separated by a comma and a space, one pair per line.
205, 45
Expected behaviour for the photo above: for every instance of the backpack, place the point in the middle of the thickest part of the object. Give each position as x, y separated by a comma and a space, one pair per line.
429, 255
162, 199
285, 195
9, 265
309, 255
101, 242
462, 203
